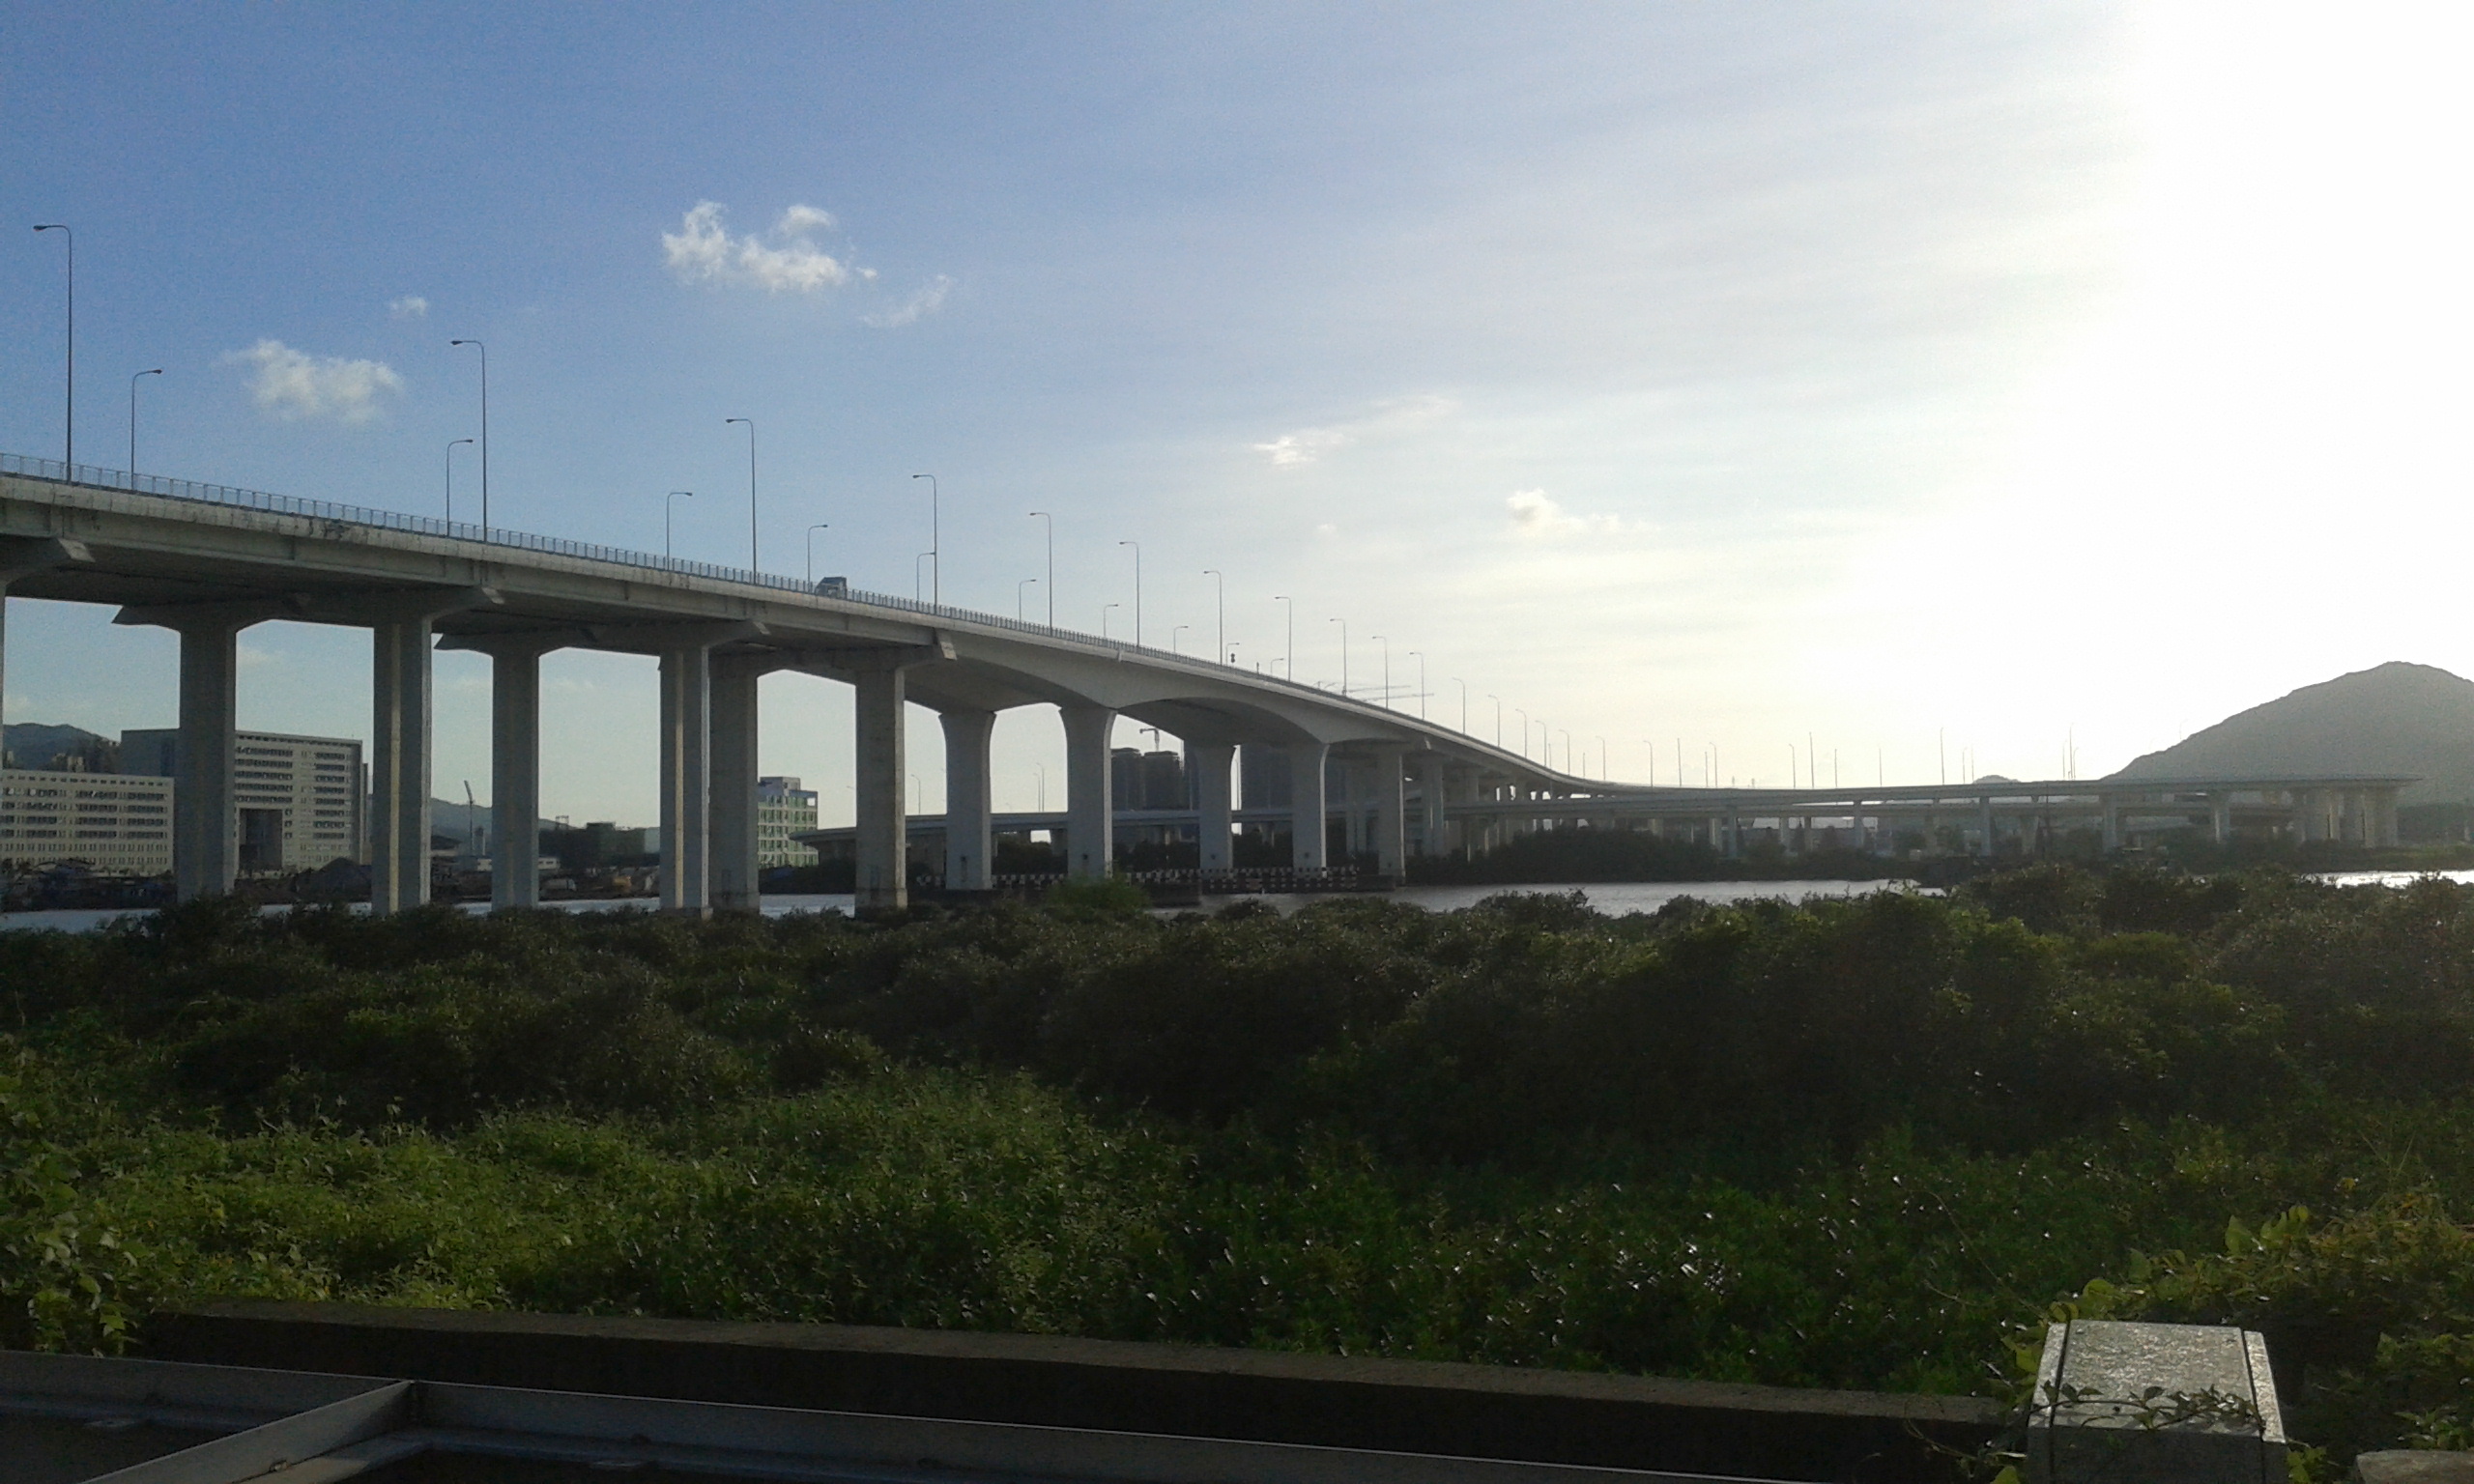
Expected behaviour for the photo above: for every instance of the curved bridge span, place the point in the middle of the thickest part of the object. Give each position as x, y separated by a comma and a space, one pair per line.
208, 561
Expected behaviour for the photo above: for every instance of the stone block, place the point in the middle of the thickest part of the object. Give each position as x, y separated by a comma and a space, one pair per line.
2147, 1403
2418, 1466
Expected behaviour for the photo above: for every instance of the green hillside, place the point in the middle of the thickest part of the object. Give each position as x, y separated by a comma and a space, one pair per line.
2397, 718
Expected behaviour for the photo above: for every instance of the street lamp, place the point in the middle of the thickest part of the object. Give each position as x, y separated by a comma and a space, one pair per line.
1499, 719
451, 477
1174, 631
133, 423
936, 537
485, 431
1419, 655
1052, 564
1344, 653
752, 565
1138, 590
1567, 752
667, 507
1387, 668
1018, 596
811, 535
1041, 770
1605, 771
1464, 703
1524, 731
1103, 618
1292, 631
1221, 586
69, 417
918, 578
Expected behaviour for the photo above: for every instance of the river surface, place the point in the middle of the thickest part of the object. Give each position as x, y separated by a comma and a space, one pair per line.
1612, 897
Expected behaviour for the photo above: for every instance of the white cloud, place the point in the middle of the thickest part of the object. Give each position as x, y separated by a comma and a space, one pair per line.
293, 384
1309, 444
930, 298
1537, 518
787, 258
412, 306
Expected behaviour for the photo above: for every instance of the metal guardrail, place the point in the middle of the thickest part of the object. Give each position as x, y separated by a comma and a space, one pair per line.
160, 487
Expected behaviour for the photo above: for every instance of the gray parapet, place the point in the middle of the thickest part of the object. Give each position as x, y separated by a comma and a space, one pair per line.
2147, 1404
2419, 1467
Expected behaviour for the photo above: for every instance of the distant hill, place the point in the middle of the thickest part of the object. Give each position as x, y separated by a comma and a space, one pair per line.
37, 744
2397, 718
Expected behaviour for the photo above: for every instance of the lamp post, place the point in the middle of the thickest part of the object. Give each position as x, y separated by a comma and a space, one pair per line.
1041, 770
68, 385
451, 477
1568, 753
1138, 590
1174, 631
668, 505
811, 541
1387, 670
918, 578
1221, 585
485, 431
1104, 620
1291, 661
133, 423
1499, 719
1018, 596
752, 566
1524, 731
935, 538
1052, 564
1344, 654
1605, 769
1420, 656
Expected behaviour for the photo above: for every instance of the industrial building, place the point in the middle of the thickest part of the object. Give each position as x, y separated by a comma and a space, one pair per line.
118, 825
300, 801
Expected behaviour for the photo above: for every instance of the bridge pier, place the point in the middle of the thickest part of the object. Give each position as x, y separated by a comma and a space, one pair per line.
686, 776
1390, 814
1307, 848
969, 839
731, 762
206, 846
1208, 764
1090, 823
515, 769
882, 883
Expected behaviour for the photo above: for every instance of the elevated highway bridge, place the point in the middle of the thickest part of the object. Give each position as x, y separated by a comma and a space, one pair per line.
208, 561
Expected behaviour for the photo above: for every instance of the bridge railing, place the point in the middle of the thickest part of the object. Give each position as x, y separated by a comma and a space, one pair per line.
164, 488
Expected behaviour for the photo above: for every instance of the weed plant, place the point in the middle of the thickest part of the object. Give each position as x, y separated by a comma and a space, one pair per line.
1863, 1142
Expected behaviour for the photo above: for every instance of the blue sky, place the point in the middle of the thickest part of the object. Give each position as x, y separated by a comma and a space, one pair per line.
1729, 374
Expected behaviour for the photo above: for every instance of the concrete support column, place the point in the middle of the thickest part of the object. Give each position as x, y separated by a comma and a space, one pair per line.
735, 873
399, 771
2221, 818
1984, 822
2385, 812
515, 775
969, 838
883, 836
686, 778
206, 845
1090, 813
2112, 824
1391, 817
1306, 805
1208, 764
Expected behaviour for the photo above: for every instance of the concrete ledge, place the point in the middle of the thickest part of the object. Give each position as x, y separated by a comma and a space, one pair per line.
2398, 1466
1407, 1406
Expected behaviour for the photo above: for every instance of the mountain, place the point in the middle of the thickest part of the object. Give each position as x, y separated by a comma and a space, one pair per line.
37, 744
2411, 720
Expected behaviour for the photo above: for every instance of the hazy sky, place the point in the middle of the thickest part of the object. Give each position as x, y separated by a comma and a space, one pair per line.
1730, 373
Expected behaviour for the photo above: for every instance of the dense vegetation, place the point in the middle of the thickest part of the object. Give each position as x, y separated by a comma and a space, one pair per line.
1859, 1144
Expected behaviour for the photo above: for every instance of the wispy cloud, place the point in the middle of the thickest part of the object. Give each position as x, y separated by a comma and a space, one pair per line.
412, 306
1536, 517
785, 258
930, 298
294, 384
1306, 445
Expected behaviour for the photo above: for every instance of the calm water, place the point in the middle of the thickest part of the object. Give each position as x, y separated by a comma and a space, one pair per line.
1612, 897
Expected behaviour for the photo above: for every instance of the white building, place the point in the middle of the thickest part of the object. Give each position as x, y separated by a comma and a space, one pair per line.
783, 809
301, 800
118, 824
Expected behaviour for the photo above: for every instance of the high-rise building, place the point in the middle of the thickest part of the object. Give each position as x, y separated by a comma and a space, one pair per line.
117, 824
301, 801
783, 809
